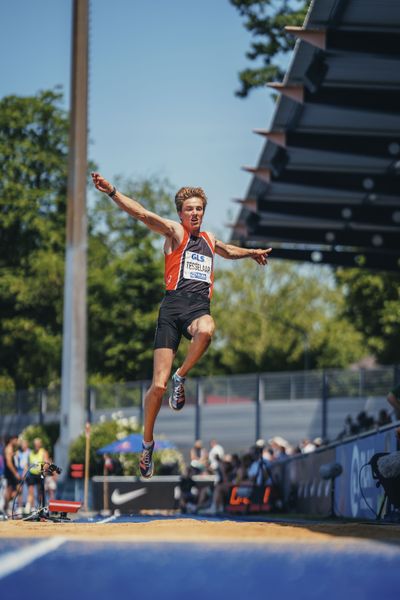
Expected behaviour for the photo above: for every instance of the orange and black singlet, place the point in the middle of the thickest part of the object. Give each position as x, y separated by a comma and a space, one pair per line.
190, 267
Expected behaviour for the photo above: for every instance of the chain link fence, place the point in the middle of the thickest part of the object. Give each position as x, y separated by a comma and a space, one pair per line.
235, 409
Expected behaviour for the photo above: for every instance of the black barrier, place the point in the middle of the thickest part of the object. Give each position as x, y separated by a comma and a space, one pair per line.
304, 490
132, 494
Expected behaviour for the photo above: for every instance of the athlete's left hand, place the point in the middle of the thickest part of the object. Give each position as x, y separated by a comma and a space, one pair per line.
260, 256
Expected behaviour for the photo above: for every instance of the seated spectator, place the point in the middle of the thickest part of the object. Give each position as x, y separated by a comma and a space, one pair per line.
269, 454
242, 473
364, 421
236, 464
216, 452
383, 418
259, 472
198, 456
307, 446
394, 400
277, 442
350, 427
280, 453
225, 477
188, 492
319, 442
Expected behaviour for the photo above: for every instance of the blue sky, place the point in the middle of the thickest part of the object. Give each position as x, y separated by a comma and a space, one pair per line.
162, 81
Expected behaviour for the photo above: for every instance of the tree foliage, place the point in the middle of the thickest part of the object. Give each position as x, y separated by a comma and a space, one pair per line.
268, 319
372, 304
33, 157
265, 20
125, 270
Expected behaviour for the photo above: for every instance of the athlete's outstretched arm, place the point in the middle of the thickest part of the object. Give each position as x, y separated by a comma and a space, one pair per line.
135, 209
235, 252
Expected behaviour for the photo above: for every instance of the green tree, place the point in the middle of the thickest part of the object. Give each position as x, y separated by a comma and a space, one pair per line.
265, 20
125, 274
33, 157
372, 304
267, 318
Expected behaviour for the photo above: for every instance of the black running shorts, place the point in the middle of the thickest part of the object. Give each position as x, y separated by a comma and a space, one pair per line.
33, 479
177, 311
12, 481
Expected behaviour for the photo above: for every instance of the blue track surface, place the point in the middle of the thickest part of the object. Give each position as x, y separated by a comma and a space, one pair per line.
359, 571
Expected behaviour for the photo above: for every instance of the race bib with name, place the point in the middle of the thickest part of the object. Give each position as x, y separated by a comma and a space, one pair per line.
197, 266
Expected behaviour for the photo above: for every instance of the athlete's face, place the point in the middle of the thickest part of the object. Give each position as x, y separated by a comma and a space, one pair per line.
192, 214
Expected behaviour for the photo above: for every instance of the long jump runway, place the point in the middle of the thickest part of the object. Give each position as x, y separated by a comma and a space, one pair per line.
198, 558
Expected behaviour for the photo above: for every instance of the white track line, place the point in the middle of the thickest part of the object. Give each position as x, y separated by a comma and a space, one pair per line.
14, 561
106, 520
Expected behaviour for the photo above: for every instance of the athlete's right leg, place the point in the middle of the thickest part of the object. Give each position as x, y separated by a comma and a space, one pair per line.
163, 359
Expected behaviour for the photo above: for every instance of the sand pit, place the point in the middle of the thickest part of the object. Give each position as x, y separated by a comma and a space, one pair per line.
191, 530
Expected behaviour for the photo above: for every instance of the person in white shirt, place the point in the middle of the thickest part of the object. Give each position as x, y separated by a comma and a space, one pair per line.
216, 451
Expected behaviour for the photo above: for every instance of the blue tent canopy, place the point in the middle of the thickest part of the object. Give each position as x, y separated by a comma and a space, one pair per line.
132, 444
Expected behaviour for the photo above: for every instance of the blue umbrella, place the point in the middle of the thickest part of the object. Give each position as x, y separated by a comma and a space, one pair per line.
132, 444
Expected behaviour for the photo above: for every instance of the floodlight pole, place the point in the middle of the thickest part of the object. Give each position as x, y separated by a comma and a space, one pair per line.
73, 386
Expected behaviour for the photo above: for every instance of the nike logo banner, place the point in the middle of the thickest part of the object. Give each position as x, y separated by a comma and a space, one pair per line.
118, 498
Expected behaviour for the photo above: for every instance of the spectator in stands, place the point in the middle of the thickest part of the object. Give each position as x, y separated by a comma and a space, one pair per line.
269, 454
364, 422
216, 452
350, 428
282, 454
307, 446
281, 448
394, 400
236, 463
242, 473
188, 492
383, 418
198, 456
225, 476
258, 471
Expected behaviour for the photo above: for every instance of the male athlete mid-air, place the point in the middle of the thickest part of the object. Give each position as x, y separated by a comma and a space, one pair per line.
185, 309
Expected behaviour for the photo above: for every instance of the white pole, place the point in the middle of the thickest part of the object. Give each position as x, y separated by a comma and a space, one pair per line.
73, 386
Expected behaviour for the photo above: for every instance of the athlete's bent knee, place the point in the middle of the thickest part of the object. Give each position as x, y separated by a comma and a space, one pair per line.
209, 329
205, 334
206, 327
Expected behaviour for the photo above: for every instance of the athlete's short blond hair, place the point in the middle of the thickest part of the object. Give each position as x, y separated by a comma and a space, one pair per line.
189, 192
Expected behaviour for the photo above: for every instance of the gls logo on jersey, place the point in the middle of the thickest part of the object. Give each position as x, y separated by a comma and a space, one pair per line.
197, 266
199, 257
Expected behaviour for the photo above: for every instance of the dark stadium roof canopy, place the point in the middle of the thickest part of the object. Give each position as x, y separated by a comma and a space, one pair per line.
327, 185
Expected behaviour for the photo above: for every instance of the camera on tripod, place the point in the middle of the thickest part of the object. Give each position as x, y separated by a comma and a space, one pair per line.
56, 510
52, 468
